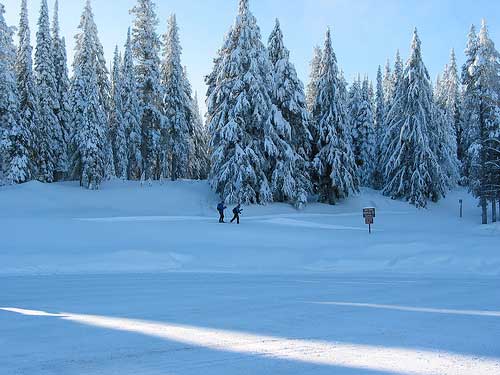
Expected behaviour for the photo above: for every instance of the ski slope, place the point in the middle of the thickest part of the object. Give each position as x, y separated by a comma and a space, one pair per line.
143, 280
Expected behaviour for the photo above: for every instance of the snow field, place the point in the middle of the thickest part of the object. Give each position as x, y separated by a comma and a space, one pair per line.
144, 280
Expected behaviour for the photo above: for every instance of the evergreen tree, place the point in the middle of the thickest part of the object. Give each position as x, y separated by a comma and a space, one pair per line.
63, 111
51, 151
200, 155
176, 105
388, 84
453, 102
398, 72
366, 130
393, 79
239, 108
117, 123
380, 127
444, 130
335, 163
354, 104
290, 180
312, 93
484, 74
444, 145
439, 89
132, 114
363, 130
146, 49
470, 115
313, 77
14, 163
87, 22
411, 167
21, 157
89, 122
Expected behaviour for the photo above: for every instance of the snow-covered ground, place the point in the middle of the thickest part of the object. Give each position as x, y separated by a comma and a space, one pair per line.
143, 280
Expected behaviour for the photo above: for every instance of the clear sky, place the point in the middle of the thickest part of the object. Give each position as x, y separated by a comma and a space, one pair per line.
365, 32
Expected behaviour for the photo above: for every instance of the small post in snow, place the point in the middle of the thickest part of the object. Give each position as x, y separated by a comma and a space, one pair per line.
461, 202
369, 214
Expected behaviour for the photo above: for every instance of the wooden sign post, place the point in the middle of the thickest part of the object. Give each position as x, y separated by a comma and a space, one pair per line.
461, 202
369, 216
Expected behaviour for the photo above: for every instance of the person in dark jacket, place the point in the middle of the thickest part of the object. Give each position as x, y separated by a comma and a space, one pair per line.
221, 207
237, 212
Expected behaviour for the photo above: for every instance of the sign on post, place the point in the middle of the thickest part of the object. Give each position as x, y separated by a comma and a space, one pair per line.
369, 215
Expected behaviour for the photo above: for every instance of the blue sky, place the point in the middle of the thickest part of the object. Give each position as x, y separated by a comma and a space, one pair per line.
365, 32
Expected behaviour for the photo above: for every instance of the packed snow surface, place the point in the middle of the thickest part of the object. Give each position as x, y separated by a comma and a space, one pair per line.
143, 280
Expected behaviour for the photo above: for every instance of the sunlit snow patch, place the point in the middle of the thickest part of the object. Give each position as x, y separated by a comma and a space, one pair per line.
376, 358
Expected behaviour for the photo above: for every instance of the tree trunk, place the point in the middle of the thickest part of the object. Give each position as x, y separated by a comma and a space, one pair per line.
484, 208
493, 211
174, 168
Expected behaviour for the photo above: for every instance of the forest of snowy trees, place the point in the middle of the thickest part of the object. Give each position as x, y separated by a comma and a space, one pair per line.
267, 137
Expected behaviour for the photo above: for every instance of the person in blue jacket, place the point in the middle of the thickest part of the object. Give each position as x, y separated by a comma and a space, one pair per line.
237, 212
221, 207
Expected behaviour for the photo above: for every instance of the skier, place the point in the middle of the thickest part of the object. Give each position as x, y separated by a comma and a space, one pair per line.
237, 212
221, 207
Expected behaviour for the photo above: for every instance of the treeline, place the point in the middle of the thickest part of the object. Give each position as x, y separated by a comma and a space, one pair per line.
268, 138
139, 121
274, 140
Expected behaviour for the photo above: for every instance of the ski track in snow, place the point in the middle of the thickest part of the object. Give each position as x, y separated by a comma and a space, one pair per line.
306, 224
285, 220
363, 357
495, 314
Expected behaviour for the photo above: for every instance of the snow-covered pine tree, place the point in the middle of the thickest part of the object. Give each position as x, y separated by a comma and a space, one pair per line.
354, 104
87, 22
315, 66
146, 48
393, 111
200, 156
444, 131
378, 179
484, 74
239, 109
116, 121
63, 111
398, 71
439, 96
388, 84
176, 106
13, 157
21, 155
335, 163
89, 122
392, 79
363, 130
51, 151
132, 114
311, 95
366, 130
411, 167
343, 88
444, 145
453, 101
470, 115
188, 92
290, 180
